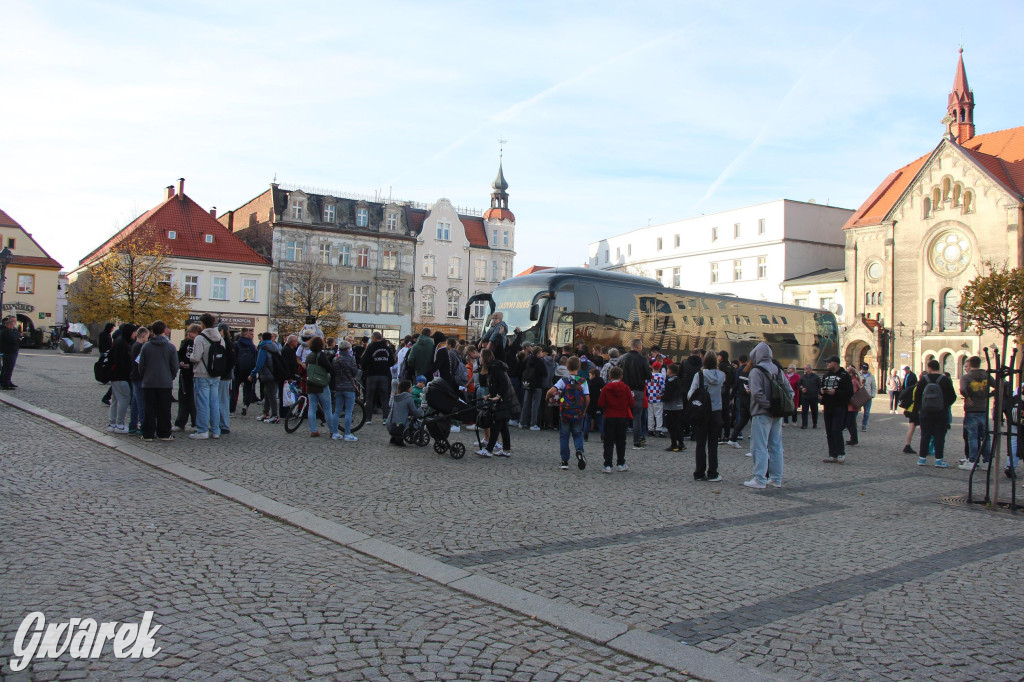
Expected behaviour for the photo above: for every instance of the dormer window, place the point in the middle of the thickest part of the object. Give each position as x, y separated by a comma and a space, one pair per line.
329, 213
298, 205
362, 217
171, 234
209, 239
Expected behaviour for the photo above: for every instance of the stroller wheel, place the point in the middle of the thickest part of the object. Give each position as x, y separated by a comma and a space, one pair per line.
422, 438
440, 446
458, 451
409, 436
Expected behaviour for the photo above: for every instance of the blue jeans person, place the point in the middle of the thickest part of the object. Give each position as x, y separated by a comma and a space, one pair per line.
138, 410
224, 396
344, 401
766, 447
976, 428
207, 397
867, 413
323, 401
565, 428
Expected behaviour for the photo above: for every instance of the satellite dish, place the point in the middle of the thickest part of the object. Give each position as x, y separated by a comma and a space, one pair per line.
835, 308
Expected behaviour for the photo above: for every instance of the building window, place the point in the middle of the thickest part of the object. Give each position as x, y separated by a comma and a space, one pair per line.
192, 286
506, 270
629, 249
826, 302
392, 221
430, 265
327, 292
219, 288
480, 270
209, 239
606, 255
389, 300
444, 231
675, 277
675, 241
389, 261
249, 289
800, 302
618, 253
362, 217
325, 254
478, 310
714, 234
714, 272
363, 257
10, 243
494, 237
298, 205
453, 304
658, 274
454, 268
659, 243
737, 270
329, 213
760, 225
736, 231
293, 250
494, 271
345, 255
762, 267
171, 234
504, 238
26, 284
427, 304
360, 298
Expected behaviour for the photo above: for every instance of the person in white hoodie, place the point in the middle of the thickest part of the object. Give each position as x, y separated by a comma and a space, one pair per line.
765, 430
207, 388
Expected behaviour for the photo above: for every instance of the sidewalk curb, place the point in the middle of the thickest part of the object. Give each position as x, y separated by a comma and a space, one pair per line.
598, 629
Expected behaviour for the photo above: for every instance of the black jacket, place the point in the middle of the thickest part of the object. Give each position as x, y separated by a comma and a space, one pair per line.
498, 384
843, 385
635, 370
691, 366
811, 383
10, 341
245, 357
377, 360
948, 392
121, 360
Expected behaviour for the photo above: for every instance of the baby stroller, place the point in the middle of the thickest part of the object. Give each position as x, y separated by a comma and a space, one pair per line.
416, 432
443, 405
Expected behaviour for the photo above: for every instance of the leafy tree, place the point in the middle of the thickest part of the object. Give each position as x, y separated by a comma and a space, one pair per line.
129, 284
994, 300
307, 290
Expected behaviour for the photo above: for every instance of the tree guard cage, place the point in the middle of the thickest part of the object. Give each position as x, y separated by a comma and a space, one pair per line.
1006, 431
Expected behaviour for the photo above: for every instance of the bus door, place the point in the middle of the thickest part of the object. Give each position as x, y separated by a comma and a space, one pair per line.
562, 310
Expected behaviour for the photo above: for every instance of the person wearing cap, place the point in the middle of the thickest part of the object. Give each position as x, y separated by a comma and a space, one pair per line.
837, 389
867, 380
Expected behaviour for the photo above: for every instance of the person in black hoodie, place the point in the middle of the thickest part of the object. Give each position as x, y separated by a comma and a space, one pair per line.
105, 342
500, 391
595, 416
727, 403
186, 396
376, 364
836, 391
224, 390
245, 360
635, 373
120, 372
740, 401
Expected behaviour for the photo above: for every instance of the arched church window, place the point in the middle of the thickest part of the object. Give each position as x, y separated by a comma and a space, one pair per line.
927, 208
957, 190
946, 186
936, 198
968, 201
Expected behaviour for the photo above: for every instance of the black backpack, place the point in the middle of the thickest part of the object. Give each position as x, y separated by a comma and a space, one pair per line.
277, 367
216, 359
933, 402
101, 370
698, 412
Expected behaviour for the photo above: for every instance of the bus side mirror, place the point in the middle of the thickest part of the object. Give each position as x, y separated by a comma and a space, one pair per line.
534, 312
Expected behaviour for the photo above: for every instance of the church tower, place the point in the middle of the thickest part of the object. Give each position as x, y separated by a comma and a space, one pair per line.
960, 109
499, 199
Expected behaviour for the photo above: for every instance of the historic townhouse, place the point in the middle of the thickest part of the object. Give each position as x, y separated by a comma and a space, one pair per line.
31, 290
923, 234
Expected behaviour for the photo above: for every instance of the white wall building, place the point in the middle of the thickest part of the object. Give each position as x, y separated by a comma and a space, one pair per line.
747, 252
820, 289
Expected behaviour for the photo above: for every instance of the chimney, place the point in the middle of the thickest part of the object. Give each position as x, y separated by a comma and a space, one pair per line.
230, 223
213, 212
169, 192
181, 189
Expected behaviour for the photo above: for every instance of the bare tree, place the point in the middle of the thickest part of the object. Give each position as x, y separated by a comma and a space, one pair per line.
306, 289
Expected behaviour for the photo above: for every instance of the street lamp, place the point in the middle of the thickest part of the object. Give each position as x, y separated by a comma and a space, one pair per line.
6, 256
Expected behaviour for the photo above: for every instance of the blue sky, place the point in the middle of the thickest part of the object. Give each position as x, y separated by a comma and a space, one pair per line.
615, 114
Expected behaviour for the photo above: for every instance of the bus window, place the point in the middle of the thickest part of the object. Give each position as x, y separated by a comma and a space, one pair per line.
721, 305
680, 305
738, 321
562, 317
764, 319
746, 321
774, 320
783, 320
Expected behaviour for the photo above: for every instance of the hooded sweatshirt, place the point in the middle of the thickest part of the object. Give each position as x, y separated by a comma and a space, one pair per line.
402, 408
158, 363
200, 348
420, 359
760, 381
714, 380
264, 367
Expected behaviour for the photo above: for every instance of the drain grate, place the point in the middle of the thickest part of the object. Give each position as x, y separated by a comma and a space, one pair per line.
960, 502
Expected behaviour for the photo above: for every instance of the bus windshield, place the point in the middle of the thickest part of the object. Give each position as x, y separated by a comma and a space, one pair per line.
514, 304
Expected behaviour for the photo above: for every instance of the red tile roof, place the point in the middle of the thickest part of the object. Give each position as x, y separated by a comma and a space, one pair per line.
532, 269
499, 214
475, 232
191, 224
45, 261
1000, 154
7, 221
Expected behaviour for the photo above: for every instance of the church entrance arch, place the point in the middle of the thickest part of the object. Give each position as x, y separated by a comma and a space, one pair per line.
858, 353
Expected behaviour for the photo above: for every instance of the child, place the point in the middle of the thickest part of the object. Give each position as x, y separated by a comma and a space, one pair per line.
655, 387
404, 408
417, 391
616, 402
674, 402
594, 414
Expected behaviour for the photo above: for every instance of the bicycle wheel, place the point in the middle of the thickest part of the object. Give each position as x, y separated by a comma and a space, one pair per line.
358, 416
296, 415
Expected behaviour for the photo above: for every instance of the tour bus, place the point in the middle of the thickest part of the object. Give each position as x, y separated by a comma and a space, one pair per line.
563, 306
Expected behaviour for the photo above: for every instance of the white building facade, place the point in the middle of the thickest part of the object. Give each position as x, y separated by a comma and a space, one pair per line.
822, 289
748, 252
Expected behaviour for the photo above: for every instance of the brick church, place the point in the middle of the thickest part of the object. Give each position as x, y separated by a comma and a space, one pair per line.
923, 234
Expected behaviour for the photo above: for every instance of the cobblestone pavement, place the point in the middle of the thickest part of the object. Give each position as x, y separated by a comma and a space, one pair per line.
91, 533
849, 572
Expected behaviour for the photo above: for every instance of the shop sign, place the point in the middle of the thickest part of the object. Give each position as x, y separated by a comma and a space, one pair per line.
236, 321
20, 307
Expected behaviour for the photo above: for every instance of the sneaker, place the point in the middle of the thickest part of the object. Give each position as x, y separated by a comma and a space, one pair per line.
503, 453
942, 464
199, 436
369, 422
497, 451
455, 429
803, 428
607, 470
921, 461
121, 429
350, 438
775, 484
134, 432
482, 452
733, 444
643, 442
966, 466
716, 479
111, 428
864, 429
535, 428
581, 463
337, 436
563, 465
753, 483
749, 454
263, 417
671, 448
909, 450
177, 428
623, 467
513, 422
148, 440
169, 438
224, 432
840, 459
852, 443
272, 420
830, 460
638, 446
244, 411
214, 436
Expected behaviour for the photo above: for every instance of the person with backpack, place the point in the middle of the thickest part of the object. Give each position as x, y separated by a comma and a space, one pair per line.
269, 370
706, 389
770, 394
836, 391
245, 360
573, 401
977, 386
319, 381
208, 359
376, 365
934, 394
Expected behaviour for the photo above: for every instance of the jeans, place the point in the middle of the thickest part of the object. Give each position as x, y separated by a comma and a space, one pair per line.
976, 431
323, 401
207, 397
742, 417
766, 447
867, 413
707, 447
224, 396
812, 406
933, 430
344, 400
638, 417
377, 389
835, 422
593, 421
120, 401
270, 393
615, 437
138, 410
531, 403
158, 413
565, 428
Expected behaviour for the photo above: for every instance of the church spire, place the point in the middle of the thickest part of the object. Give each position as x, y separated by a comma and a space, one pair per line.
499, 194
960, 107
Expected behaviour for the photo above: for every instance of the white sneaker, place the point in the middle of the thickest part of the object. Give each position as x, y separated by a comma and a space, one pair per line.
199, 436
734, 444
456, 429
752, 483
775, 484
749, 454
497, 451
966, 466
349, 437
513, 422
607, 470
337, 436
503, 453
535, 428
482, 452
121, 429
177, 428
214, 435
716, 479
111, 428
623, 467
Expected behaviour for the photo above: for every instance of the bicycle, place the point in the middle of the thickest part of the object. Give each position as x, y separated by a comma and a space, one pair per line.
297, 413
